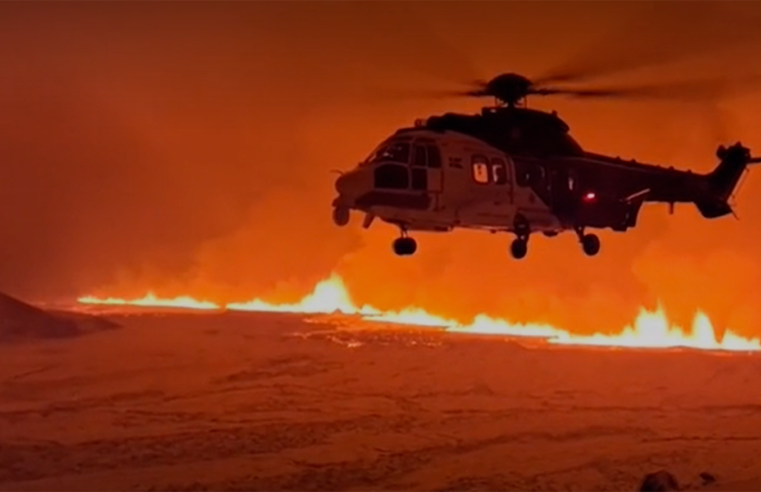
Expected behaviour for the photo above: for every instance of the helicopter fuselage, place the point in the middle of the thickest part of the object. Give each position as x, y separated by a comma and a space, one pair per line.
431, 178
439, 181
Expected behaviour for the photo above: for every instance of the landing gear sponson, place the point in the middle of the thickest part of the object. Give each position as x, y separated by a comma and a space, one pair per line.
590, 243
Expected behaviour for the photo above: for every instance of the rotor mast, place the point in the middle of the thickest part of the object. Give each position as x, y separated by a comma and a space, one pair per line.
509, 90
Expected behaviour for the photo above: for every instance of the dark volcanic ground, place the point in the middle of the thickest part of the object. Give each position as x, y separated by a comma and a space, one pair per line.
269, 402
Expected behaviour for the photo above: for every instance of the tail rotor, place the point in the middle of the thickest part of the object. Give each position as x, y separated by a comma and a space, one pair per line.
723, 181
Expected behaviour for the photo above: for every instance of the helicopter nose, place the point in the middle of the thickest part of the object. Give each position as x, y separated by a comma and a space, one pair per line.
342, 184
352, 183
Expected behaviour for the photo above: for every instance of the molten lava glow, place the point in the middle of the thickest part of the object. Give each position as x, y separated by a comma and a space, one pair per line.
150, 300
651, 329
328, 296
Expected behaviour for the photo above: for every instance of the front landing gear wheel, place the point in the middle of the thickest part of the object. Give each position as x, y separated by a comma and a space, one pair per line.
519, 248
590, 243
405, 246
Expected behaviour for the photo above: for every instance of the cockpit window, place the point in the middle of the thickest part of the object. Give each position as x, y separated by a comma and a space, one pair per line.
421, 158
426, 154
394, 152
391, 176
434, 156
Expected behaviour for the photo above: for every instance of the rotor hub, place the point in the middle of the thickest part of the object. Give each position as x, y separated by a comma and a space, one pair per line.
509, 88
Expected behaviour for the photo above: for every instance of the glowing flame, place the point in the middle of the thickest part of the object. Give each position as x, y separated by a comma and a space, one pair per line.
150, 300
651, 329
328, 296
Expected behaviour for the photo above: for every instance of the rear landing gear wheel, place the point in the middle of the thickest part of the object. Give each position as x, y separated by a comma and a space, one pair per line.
519, 248
590, 243
405, 246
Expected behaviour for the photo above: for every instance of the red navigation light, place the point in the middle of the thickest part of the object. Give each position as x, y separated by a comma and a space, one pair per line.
588, 197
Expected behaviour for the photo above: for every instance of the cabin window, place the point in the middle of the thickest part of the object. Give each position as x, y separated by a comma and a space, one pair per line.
434, 157
392, 177
522, 174
420, 158
480, 169
498, 171
529, 174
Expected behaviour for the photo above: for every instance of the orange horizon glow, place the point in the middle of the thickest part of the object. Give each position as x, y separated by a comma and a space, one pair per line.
650, 329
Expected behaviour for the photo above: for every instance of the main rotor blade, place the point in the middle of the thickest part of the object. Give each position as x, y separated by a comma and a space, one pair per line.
385, 94
699, 90
666, 32
476, 88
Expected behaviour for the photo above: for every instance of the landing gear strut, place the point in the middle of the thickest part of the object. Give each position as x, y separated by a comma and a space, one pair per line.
405, 246
590, 243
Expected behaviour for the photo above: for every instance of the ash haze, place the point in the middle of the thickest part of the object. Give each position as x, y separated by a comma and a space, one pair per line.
187, 148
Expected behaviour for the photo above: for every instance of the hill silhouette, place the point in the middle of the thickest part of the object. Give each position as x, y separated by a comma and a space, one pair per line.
20, 321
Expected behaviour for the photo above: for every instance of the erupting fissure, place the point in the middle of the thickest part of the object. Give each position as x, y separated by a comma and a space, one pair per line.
651, 329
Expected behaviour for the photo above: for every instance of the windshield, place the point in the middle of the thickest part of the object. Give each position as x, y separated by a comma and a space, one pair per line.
391, 152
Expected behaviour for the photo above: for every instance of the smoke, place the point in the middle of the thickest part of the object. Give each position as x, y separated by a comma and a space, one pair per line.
188, 148
135, 143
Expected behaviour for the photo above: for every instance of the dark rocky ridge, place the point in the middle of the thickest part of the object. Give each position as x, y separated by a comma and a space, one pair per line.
20, 322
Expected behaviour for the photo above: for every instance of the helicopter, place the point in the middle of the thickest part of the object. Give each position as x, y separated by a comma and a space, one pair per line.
518, 170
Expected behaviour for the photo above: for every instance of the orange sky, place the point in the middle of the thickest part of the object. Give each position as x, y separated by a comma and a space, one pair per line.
186, 147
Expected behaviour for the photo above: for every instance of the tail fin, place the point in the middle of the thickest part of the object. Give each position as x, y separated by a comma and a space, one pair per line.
723, 180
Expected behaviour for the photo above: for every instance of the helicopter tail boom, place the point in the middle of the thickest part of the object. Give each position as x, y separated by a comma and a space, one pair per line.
723, 180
